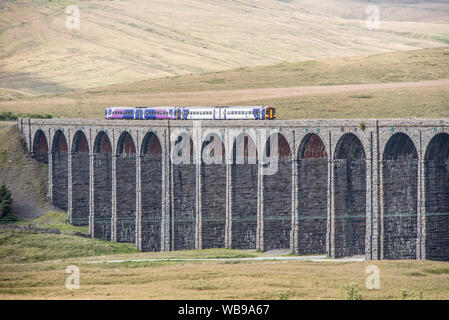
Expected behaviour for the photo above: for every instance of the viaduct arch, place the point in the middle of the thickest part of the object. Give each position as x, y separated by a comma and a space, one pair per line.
400, 198
312, 201
102, 187
277, 193
125, 186
437, 198
350, 196
80, 179
244, 173
59, 154
151, 192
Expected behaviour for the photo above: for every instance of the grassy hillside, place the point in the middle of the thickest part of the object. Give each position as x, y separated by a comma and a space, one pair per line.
26, 178
425, 102
415, 65
123, 41
266, 85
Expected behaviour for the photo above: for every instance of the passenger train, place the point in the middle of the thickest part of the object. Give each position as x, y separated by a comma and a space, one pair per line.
192, 113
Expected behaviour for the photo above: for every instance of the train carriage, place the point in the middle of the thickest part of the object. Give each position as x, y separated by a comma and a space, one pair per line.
192, 113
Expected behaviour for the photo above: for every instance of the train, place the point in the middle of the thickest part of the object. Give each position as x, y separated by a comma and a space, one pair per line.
191, 113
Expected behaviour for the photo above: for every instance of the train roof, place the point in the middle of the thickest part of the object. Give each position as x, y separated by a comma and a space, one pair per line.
152, 107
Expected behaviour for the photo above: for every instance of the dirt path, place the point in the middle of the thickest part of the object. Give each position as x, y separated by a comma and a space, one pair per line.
233, 96
303, 258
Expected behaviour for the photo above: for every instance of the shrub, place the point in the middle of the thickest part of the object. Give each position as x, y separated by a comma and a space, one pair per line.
415, 295
9, 116
283, 294
362, 126
352, 292
5, 201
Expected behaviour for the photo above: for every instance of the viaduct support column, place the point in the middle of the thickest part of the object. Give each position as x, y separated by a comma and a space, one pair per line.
166, 188
228, 159
69, 186
172, 201
114, 198
260, 191
50, 176
421, 220
330, 230
372, 197
91, 195
138, 240
197, 161
294, 234
421, 236
381, 209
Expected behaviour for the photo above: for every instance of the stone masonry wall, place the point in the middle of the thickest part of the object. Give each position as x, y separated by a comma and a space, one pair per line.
213, 204
437, 209
102, 206
184, 206
312, 205
277, 207
400, 208
350, 207
151, 179
80, 188
60, 179
244, 205
126, 198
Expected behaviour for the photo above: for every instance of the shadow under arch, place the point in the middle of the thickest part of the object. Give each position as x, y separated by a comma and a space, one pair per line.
151, 194
126, 188
40, 147
184, 192
277, 195
244, 192
102, 206
80, 179
436, 173
60, 167
349, 197
213, 192
400, 194
312, 195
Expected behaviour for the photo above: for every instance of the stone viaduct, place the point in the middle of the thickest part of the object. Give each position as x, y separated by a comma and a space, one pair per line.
378, 188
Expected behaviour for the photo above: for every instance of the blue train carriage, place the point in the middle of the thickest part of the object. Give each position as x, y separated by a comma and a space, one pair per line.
128, 113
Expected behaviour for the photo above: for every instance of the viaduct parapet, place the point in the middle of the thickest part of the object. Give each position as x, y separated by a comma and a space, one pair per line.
378, 188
